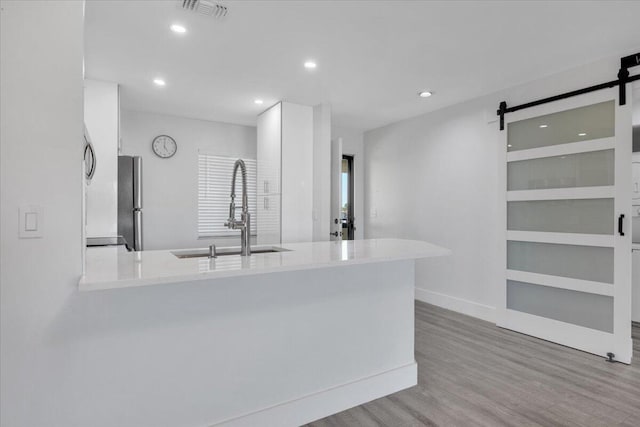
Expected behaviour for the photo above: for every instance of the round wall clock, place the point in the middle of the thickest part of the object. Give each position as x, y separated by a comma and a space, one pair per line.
164, 146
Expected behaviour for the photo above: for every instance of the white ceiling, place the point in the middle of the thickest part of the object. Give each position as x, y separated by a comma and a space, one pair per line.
373, 56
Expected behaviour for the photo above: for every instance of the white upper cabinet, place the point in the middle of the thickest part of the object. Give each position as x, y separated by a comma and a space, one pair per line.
285, 174
269, 151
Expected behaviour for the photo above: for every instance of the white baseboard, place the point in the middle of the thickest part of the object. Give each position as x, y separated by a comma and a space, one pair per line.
318, 405
460, 305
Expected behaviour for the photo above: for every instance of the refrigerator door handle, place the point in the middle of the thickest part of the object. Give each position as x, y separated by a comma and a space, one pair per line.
137, 182
137, 229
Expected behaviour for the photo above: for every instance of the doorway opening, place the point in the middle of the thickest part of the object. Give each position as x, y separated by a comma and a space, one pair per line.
346, 202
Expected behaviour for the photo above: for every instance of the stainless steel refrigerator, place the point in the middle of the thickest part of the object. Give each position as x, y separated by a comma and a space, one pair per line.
130, 201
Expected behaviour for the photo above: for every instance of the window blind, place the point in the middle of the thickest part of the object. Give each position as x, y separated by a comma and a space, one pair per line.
214, 189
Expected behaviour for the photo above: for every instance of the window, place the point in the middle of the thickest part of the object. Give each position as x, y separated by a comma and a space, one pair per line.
214, 189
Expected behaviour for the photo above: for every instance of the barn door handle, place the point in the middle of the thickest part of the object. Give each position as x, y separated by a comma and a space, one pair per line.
621, 224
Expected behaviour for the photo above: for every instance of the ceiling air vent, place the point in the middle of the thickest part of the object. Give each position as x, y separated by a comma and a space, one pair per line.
205, 7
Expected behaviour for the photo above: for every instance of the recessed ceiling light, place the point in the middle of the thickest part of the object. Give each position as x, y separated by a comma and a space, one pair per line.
543, 126
310, 65
582, 134
258, 101
176, 28
159, 82
425, 94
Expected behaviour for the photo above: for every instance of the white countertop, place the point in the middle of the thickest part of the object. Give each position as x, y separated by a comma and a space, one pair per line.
109, 268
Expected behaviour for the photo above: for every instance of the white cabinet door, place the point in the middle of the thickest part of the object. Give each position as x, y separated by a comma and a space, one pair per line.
269, 232
269, 150
568, 237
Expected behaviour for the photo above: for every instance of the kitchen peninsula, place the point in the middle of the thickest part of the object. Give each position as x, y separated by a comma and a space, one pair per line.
292, 335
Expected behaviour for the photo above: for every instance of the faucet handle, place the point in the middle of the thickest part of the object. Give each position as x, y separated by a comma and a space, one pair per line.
232, 210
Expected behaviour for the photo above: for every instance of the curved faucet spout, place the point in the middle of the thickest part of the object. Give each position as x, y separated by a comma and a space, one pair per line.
244, 224
240, 164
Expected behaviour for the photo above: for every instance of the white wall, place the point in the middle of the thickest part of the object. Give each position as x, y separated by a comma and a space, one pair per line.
101, 105
436, 177
635, 301
170, 186
635, 286
636, 101
41, 115
635, 211
321, 172
297, 173
352, 144
636, 116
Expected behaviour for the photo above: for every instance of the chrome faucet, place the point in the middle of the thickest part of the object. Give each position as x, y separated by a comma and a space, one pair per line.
244, 224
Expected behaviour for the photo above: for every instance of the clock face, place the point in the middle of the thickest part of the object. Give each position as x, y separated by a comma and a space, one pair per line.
164, 146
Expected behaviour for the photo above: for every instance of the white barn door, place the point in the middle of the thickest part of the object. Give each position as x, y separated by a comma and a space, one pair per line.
568, 234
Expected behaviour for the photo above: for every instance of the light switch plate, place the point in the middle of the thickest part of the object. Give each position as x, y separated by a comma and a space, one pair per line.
30, 222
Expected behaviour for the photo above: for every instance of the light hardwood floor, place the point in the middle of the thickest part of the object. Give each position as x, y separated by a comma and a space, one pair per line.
472, 373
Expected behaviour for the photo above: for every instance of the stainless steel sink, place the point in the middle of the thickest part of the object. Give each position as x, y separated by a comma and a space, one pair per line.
204, 252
